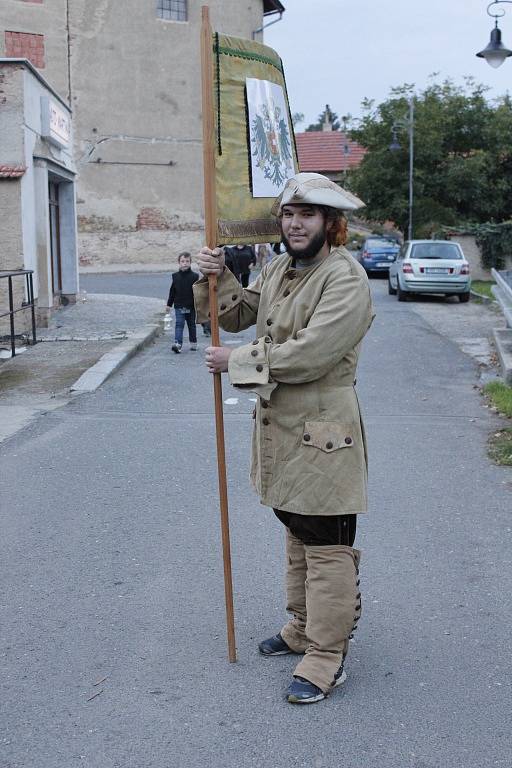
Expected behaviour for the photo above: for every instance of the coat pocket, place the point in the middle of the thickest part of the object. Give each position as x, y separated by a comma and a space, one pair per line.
329, 436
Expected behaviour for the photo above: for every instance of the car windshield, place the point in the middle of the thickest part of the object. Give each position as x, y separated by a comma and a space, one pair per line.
435, 251
380, 243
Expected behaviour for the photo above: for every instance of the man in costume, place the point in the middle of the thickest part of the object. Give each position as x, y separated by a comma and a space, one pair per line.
311, 307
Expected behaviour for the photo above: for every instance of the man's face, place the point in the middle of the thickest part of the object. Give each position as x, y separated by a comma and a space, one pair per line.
303, 230
184, 263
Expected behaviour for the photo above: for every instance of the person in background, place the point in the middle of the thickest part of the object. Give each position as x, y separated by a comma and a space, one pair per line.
182, 297
239, 259
263, 254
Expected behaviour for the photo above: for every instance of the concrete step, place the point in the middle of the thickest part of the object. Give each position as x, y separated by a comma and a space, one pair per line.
503, 339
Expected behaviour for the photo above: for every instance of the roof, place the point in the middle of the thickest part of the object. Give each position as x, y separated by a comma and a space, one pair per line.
12, 171
328, 151
272, 6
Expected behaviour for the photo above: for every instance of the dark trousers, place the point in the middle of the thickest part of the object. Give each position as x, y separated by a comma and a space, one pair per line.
320, 530
244, 279
182, 317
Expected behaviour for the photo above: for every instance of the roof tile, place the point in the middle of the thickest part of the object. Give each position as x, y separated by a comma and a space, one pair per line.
12, 171
328, 151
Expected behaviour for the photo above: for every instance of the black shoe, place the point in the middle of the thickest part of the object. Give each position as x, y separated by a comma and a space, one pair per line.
274, 646
176, 348
301, 691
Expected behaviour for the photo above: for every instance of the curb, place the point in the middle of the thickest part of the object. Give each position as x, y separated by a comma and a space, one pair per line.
110, 362
483, 299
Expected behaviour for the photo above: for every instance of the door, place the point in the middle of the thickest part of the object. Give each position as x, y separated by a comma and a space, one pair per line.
53, 199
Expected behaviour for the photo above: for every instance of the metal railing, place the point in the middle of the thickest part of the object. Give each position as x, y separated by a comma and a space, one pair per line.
29, 304
503, 292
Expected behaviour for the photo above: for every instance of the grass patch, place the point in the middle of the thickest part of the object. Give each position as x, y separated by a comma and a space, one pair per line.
500, 447
500, 396
483, 287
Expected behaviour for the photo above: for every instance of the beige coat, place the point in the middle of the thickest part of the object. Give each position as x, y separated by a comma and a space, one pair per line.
309, 451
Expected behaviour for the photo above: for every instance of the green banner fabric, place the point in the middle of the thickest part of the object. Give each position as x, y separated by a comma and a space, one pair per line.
255, 145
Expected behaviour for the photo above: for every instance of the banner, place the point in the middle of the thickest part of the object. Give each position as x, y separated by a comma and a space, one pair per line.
255, 149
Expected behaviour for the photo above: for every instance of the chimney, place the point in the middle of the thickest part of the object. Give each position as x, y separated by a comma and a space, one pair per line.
327, 124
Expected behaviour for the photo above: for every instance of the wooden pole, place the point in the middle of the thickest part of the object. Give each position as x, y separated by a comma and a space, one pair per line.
210, 215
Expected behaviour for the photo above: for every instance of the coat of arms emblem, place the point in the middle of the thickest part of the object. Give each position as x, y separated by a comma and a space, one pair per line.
270, 138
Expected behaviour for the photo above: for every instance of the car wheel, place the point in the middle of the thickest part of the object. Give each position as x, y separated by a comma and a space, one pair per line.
402, 295
391, 290
463, 297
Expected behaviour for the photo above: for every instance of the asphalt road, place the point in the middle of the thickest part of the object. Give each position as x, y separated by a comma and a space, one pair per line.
112, 575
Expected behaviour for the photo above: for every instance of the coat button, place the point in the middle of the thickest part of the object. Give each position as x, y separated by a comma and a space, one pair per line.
329, 445
265, 421
255, 341
269, 321
307, 437
223, 306
286, 293
268, 339
234, 297
264, 404
348, 440
259, 368
254, 353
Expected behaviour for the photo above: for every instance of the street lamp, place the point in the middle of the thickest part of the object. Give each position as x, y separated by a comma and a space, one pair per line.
407, 122
495, 52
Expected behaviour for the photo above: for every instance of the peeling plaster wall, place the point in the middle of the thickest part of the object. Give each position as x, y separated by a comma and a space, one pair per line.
135, 88
137, 107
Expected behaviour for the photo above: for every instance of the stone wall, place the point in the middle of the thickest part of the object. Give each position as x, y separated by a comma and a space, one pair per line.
11, 248
473, 255
154, 247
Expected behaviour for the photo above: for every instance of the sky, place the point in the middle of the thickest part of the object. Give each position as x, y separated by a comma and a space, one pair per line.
338, 52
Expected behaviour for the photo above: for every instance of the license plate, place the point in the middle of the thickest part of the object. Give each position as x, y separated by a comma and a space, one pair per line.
436, 270
382, 264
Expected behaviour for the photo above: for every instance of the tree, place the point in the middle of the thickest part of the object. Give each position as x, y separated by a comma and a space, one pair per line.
297, 117
462, 162
330, 115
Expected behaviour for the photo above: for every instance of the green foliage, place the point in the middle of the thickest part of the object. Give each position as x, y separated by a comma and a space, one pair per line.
332, 116
494, 241
462, 162
500, 396
483, 287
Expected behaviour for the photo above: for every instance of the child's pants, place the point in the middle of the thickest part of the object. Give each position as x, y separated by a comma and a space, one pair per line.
183, 316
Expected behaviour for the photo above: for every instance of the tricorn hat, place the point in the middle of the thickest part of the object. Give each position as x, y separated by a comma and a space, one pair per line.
315, 189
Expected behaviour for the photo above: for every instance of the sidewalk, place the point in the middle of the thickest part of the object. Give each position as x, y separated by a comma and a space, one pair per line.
83, 346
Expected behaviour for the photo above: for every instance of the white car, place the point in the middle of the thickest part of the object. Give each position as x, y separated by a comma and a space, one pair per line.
430, 266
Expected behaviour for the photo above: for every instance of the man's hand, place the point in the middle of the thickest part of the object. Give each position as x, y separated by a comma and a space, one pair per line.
167, 310
216, 359
210, 262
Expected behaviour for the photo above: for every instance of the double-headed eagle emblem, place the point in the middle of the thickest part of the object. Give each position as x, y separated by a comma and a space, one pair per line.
270, 141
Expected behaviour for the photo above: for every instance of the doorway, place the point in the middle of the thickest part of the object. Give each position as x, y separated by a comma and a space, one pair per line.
56, 261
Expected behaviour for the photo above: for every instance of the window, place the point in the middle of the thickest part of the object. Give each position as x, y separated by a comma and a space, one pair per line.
172, 10
435, 251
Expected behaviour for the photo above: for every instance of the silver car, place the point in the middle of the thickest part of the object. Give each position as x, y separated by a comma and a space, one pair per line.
429, 266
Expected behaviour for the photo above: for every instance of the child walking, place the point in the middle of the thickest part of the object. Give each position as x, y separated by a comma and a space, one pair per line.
181, 295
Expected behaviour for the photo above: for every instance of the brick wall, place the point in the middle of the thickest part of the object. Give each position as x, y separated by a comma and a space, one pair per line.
152, 218
25, 45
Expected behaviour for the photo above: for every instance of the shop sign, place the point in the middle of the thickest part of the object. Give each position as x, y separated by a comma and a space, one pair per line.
56, 123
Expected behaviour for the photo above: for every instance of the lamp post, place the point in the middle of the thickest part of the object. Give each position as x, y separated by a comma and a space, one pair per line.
346, 148
495, 51
407, 122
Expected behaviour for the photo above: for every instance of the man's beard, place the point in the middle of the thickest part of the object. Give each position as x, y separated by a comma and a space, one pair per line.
303, 254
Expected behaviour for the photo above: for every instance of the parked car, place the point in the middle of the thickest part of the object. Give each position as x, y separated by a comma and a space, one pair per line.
377, 253
430, 266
